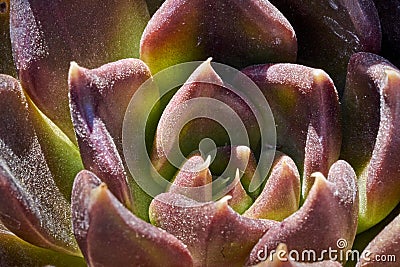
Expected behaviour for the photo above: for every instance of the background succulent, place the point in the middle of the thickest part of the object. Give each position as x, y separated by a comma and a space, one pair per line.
68, 196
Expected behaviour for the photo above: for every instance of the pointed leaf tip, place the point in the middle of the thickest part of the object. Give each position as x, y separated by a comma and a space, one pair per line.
213, 232
102, 223
332, 203
182, 31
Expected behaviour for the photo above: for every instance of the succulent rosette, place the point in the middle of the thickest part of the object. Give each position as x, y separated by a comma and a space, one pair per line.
129, 138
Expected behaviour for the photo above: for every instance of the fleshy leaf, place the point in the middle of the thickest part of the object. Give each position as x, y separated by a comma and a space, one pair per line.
7, 65
31, 205
98, 150
281, 258
112, 86
329, 215
213, 232
62, 156
281, 194
195, 173
16, 252
232, 32
200, 110
192, 180
386, 245
242, 159
305, 106
389, 15
46, 36
102, 224
371, 120
330, 31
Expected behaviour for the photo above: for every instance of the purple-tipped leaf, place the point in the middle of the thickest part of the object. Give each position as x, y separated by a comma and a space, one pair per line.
202, 108
305, 106
327, 220
371, 134
110, 235
98, 150
213, 232
193, 180
281, 194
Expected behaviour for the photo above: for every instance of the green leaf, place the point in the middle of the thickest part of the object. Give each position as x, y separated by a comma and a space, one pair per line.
16, 252
47, 36
31, 205
237, 33
371, 123
62, 156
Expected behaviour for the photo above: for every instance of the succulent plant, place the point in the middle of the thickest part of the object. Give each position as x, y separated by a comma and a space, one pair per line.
107, 112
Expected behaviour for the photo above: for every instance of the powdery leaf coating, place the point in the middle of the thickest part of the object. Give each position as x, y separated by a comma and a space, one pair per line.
46, 36
242, 158
110, 235
281, 194
31, 205
113, 86
61, 154
305, 105
213, 232
330, 31
196, 173
329, 214
179, 130
232, 32
88, 91
372, 96
385, 244
282, 259
192, 179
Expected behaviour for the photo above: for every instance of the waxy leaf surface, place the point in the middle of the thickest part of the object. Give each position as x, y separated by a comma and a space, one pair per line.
110, 235
31, 206
47, 35
214, 233
329, 215
237, 33
371, 121
305, 106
